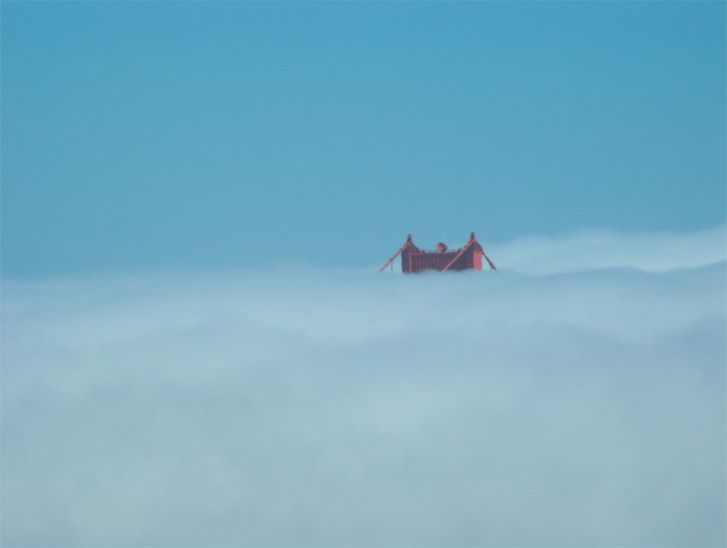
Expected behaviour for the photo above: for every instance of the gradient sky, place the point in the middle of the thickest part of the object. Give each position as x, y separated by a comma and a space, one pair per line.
204, 135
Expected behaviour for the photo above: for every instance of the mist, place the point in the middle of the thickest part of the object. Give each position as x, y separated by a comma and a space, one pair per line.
600, 249
578, 401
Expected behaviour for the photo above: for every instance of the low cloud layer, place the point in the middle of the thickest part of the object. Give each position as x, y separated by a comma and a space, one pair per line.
348, 408
598, 249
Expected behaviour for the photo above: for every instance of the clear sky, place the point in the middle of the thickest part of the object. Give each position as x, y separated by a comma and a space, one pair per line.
205, 135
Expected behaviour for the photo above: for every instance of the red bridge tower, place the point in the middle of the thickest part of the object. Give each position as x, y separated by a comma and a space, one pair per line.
414, 259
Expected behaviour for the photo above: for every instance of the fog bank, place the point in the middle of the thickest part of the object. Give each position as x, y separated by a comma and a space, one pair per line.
348, 408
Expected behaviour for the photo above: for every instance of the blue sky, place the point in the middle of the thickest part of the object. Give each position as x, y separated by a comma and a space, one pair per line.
211, 135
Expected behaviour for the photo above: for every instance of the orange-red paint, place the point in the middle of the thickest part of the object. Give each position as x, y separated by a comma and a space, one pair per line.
415, 260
